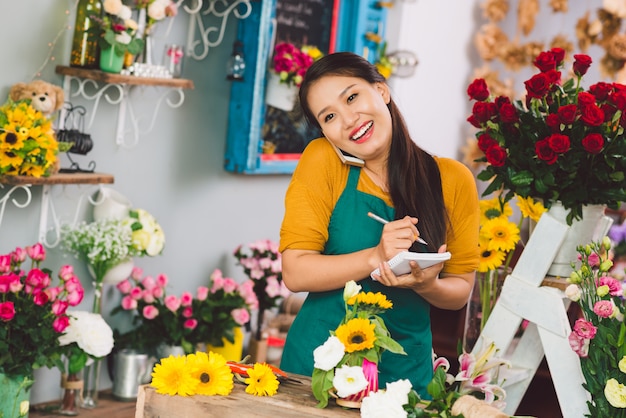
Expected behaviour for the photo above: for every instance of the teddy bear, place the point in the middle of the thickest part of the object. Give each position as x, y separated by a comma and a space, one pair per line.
44, 97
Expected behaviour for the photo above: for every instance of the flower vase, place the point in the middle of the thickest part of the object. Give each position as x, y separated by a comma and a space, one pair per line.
91, 377
480, 304
15, 397
111, 204
110, 61
280, 95
370, 370
131, 369
72, 386
593, 225
119, 272
231, 351
164, 351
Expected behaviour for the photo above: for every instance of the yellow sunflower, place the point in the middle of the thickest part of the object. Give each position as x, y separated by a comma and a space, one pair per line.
261, 381
211, 372
172, 377
357, 334
492, 208
489, 259
376, 299
502, 234
530, 208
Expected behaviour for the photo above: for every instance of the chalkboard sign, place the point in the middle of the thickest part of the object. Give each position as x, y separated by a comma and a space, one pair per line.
305, 22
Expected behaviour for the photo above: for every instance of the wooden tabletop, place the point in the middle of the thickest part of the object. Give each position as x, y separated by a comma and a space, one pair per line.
108, 407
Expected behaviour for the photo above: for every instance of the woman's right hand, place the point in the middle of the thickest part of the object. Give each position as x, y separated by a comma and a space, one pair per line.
397, 236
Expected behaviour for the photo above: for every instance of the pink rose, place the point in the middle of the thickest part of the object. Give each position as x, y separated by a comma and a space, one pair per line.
136, 293
36, 279
187, 312
172, 303
162, 280
53, 292
579, 345
66, 271
40, 298
603, 308
584, 328
36, 252
61, 323
150, 312
124, 286
7, 311
158, 292
147, 296
148, 283
230, 285
241, 316
273, 287
136, 273
7, 280
72, 284
190, 323
18, 255
5, 263
129, 303
59, 307
593, 260
75, 297
202, 293
186, 299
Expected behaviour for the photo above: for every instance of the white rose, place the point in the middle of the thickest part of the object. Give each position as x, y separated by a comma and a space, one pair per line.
156, 10
157, 242
90, 332
327, 355
349, 380
112, 7
125, 13
572, 292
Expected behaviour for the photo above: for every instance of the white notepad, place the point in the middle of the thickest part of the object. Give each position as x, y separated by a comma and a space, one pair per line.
400, 263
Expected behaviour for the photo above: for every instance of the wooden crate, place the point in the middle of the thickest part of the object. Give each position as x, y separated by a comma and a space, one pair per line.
292, 399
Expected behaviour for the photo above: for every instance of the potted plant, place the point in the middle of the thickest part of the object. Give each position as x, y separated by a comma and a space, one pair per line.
32, 317
116, 35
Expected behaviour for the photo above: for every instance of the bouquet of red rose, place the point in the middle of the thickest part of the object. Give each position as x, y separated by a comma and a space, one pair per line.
562, 143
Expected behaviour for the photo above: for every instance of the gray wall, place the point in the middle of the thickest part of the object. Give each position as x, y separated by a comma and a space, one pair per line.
176, 173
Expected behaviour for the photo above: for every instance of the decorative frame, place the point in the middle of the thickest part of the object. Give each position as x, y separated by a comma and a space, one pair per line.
347, 25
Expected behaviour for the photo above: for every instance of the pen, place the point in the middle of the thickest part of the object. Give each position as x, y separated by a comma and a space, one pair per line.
385, 221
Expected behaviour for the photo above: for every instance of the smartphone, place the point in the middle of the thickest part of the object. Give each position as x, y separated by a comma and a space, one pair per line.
347, 158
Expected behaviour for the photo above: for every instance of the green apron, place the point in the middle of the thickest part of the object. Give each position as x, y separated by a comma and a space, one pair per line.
350, 229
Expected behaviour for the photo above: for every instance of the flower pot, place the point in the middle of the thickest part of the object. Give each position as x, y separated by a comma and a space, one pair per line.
280, 95
130, 370
110, 204
15, 398
110, 61
593, 225
230, 351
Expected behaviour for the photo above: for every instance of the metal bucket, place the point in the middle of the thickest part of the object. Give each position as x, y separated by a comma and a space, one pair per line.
130, 370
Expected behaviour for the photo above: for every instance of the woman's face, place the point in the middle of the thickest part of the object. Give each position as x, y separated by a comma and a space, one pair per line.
353, 114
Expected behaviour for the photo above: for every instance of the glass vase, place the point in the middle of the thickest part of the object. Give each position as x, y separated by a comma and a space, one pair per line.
72, 386
84, 42
91, 376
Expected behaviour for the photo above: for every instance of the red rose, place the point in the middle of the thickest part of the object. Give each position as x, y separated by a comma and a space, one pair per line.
484, 111
609, 110
544, 152
586, 99
567, 114
485, 141
545, 61
559, 55
601, 90
500, 100
581, 64
618, 98
538, 85
592, 115
475, 122
508, 113
478, 90
553, 121
496, 155
559, 143
7, 311
554, 76
40, 298
593, 143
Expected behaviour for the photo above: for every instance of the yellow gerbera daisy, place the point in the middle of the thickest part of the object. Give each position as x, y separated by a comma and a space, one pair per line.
530, 208
357, 334
211, 372
172, 377
503, 234
493, 208
371, 298
489, 259
261, 381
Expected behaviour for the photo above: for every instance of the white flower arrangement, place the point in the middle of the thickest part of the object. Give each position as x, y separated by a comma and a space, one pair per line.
147, 236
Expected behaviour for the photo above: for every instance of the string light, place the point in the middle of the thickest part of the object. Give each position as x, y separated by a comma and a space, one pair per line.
51, 45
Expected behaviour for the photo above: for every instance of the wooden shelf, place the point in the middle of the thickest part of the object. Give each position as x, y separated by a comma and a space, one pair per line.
111, 78
60, 178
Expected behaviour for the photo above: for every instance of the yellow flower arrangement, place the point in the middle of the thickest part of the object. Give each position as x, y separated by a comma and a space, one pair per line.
498, 238
27, 143
210, 374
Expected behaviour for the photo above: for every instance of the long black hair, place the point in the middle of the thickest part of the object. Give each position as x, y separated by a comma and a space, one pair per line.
413, 174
